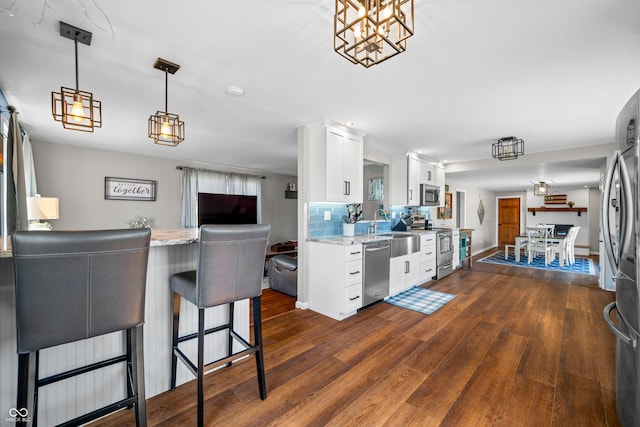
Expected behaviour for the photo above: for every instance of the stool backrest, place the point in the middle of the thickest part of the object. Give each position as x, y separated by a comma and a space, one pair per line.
73, 285
230, 263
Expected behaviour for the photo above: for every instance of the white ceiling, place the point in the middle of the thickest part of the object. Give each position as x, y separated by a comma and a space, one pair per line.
554, 73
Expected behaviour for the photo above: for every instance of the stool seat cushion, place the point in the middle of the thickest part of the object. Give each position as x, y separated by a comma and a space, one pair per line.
184, 284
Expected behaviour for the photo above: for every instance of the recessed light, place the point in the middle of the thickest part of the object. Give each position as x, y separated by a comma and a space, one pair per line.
350, 124
235, 91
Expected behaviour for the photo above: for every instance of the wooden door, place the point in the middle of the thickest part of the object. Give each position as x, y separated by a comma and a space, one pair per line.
508, 220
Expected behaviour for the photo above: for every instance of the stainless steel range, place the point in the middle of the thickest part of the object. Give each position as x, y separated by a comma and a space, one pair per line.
444, 252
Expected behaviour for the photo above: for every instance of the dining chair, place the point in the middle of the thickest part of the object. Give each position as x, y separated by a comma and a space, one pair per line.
538, 243
570, 252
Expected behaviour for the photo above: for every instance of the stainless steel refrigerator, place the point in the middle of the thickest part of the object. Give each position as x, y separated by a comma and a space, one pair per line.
620, 199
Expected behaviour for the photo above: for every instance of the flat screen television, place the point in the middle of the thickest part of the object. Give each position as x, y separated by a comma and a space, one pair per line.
227, 209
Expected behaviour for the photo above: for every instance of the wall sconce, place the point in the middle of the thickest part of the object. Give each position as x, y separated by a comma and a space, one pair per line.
41, 208
75, 108
166, 128
541, 189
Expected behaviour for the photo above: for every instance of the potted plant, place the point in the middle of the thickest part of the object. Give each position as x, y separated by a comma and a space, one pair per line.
570, 203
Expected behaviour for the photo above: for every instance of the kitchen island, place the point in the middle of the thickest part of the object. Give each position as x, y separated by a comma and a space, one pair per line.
171, 251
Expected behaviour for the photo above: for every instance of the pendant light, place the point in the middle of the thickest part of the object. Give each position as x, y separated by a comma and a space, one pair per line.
75, 108
367, 32
166, 128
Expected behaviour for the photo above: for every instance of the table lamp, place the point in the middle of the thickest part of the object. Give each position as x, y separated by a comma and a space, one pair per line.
39, 208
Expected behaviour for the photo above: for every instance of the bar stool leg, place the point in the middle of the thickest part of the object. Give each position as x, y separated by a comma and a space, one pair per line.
257, 336
174, 340
201, 367
137, 374
229, 330
27, 377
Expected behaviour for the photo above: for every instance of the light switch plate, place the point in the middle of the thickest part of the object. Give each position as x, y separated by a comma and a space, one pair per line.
393, 214
327, 215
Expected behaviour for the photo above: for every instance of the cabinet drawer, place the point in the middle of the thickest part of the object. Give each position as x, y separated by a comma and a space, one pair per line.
427, 239
427, 269
352, 252
353, 272
352, 298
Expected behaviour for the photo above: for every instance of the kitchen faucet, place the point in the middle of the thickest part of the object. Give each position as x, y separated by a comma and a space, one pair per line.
375, 220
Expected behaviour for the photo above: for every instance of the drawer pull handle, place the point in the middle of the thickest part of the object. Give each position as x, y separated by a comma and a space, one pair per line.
354, 253
354, 298
355, 272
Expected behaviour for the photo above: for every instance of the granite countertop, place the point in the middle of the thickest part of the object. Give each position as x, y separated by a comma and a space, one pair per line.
180, 236
362, 238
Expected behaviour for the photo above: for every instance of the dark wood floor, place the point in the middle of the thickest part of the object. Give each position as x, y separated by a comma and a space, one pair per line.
516, 347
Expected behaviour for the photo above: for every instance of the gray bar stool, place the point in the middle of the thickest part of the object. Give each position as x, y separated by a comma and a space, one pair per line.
230, 268
74, 285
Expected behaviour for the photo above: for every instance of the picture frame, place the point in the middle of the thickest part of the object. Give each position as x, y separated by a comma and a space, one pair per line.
129, 189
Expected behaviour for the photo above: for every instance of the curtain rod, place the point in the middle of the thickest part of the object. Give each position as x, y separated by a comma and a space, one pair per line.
223, 172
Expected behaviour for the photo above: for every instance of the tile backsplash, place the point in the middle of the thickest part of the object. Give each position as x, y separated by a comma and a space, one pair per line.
319, 227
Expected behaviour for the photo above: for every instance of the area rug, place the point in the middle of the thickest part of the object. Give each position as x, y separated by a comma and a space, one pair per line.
581, 266
420, 299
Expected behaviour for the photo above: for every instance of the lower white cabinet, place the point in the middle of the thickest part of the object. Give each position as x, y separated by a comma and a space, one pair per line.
335, 279
427, 256
404, 272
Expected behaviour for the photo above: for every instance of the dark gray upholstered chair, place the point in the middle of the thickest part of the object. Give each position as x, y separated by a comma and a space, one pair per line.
230, 268
74, 285
283, 274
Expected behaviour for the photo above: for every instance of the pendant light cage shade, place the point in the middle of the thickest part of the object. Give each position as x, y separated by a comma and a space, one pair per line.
76, 109
508, 148
368, 32
166, 129
541, 189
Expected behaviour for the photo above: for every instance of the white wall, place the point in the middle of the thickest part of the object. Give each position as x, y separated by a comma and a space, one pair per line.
76, 176
484, 235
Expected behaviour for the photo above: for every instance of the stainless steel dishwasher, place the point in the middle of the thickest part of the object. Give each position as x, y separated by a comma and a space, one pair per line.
375, 284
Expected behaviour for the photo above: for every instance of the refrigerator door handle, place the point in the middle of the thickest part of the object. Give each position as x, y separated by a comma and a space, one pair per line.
625, 185
604, 215
630, 341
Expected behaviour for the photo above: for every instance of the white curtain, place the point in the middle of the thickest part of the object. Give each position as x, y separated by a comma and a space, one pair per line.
196, 181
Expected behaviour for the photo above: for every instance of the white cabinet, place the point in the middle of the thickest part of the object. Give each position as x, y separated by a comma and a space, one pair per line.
427, 256
335, 279
335, 163
413, 180
404, 272
427, 172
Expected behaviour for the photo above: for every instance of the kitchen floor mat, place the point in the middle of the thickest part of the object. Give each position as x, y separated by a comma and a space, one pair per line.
420, 299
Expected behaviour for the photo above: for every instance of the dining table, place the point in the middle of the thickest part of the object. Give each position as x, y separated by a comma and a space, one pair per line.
558, 240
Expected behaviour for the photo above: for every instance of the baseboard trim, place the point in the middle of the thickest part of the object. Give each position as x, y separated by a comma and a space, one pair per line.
302, 305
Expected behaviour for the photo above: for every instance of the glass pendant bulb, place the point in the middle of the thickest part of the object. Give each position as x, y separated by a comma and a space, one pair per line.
165, 129
77, 112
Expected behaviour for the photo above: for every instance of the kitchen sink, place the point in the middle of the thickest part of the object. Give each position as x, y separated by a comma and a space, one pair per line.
403, 243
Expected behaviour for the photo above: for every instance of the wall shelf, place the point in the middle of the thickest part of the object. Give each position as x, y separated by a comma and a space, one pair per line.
546, 209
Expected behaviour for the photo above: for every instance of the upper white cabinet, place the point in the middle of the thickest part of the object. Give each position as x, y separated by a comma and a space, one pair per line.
334, 163
414, 166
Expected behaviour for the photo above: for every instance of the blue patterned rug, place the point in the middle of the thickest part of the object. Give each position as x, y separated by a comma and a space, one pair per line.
420, 299
581, 266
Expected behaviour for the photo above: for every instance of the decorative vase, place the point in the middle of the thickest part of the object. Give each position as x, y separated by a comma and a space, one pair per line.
348, 229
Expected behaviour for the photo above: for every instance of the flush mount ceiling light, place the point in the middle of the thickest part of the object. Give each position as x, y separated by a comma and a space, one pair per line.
508, 148
541, 189
166, 128
76, 109
367, 32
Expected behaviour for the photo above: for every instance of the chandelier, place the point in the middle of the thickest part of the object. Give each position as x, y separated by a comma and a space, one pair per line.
541, 189
508, 148
166, 128
368, 32
75, 108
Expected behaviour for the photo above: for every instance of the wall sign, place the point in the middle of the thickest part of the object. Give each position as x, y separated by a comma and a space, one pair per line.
129, 189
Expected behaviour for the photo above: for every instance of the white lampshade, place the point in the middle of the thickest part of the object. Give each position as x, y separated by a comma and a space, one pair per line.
42, 208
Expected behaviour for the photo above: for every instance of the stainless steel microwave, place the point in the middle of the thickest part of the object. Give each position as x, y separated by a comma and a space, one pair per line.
429, 195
